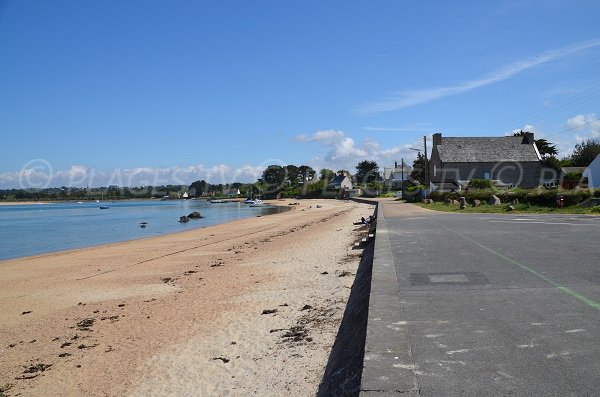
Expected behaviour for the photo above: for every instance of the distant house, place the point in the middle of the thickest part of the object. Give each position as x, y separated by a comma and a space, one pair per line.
592, 173
340, 181
397, 177
231, 192
512, 161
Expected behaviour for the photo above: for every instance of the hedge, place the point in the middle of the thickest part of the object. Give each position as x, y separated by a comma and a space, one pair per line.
542, 198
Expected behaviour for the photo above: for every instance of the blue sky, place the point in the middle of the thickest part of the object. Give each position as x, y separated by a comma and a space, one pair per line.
151, 92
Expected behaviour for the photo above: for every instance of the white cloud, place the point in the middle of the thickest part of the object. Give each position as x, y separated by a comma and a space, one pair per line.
588, 124
405, 99
326, 137
40, 174
577, 129
344, 153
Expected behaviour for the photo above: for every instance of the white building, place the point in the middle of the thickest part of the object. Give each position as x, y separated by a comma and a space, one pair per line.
592, 173
398, 176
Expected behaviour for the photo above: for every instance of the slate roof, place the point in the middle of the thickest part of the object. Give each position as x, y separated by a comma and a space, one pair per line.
392, 172
337, 180
485, 149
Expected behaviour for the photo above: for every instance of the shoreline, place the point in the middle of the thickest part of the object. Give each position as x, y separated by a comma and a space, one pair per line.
184, 313
30, 202
60, 251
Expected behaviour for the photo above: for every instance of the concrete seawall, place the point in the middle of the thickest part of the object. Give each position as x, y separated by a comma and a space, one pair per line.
388, 366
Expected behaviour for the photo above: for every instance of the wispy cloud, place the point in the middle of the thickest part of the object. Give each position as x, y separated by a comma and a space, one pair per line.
403, 99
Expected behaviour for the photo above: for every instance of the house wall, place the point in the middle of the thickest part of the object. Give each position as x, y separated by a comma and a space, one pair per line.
346, 183
522, 174
592, 172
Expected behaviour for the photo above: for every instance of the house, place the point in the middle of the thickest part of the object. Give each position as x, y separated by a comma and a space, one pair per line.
231, 192
340, 181
592, 173
397, 177
511, 161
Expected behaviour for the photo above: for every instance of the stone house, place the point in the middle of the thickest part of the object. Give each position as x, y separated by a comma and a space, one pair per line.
508, 161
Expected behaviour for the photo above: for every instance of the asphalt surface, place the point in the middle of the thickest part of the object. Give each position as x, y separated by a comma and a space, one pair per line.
498, 305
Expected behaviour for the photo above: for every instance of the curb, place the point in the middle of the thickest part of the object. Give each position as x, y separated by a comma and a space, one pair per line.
388, 365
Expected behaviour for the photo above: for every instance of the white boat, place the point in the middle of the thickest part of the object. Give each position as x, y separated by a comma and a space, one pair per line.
249, 201
217, 201
257, 203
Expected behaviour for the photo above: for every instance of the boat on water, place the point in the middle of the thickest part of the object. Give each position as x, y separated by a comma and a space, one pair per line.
217, 201
104, 207
249, 201
257, 203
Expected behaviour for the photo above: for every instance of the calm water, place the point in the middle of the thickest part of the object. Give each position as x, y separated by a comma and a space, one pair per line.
40, 228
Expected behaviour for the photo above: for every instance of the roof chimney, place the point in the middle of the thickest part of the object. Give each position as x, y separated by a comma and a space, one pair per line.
437, 139
528, 138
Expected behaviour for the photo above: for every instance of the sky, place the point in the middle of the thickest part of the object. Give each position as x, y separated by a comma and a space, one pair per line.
144, 92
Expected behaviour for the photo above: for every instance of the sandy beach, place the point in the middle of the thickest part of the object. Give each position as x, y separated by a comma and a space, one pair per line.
250, 307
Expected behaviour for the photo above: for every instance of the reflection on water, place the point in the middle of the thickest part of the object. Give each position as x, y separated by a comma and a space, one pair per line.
39, 228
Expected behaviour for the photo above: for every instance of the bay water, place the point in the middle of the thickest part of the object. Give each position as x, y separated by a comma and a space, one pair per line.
41, 228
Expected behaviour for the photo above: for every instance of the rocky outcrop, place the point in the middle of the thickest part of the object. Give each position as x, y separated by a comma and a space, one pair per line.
494, 200
184, 219
195, 215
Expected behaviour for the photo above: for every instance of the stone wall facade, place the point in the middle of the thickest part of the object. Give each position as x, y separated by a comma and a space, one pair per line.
519, 174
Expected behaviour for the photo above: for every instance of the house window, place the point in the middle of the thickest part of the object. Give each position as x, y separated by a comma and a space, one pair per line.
486, 176
434, 170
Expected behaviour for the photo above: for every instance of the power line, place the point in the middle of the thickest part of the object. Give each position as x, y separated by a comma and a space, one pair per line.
574, 128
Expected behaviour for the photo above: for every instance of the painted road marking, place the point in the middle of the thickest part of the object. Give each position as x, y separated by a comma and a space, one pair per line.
548, 280
547, 223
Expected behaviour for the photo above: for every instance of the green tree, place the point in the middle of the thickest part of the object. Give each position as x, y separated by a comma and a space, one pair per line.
552, 162
274, 175
307, 172
367, 172
326, 174
545, 148
200, 187
585, 153
418, 171
293, 174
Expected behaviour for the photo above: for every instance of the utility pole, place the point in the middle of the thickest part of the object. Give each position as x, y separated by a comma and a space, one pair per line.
426, 164
402, 180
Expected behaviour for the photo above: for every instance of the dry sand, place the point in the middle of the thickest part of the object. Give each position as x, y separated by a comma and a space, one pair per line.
251, 307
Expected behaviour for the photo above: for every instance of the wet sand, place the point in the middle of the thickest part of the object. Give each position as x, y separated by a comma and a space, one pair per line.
251, 307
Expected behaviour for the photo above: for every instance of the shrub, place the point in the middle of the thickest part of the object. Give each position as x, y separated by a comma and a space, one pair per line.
481, 184
573, 175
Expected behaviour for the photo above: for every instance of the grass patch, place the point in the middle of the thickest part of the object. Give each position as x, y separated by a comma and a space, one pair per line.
519, 208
